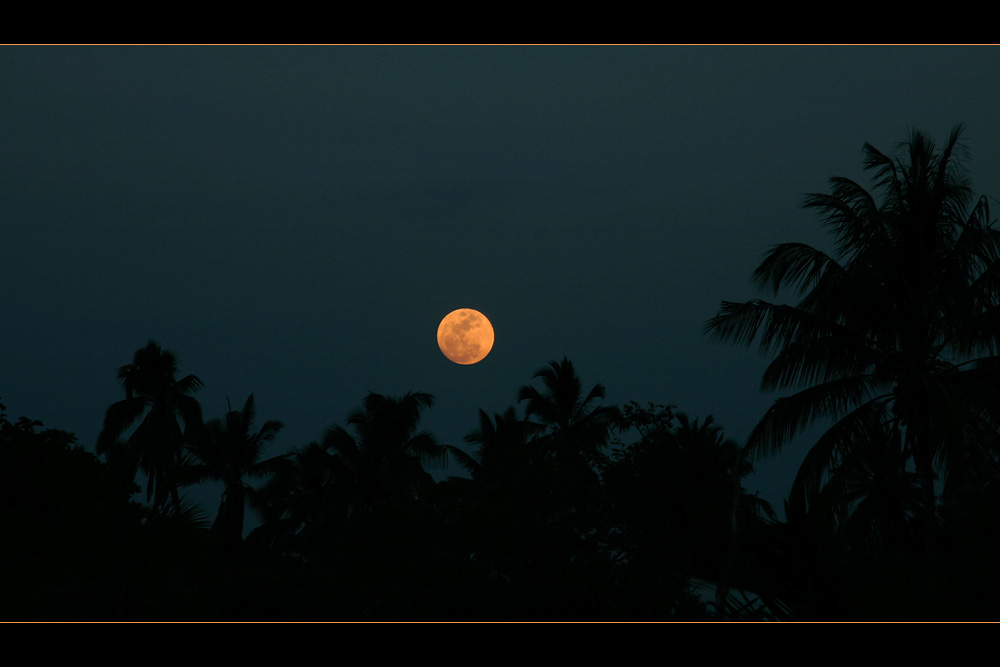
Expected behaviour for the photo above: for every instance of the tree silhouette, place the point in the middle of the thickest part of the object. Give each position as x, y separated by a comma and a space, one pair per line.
156, 445
58, 511
388, 538
303, 501
386, 453
502, 521
504, 452
574, 423
677, 502
229, 451
895, 335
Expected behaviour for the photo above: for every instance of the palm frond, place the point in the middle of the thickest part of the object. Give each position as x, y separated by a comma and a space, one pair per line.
271, 466
790, 415
424, 446
189, 384
818, 359
188, 514
791, 264
853, 216
465, 460
855, 431
776, 325
119, 418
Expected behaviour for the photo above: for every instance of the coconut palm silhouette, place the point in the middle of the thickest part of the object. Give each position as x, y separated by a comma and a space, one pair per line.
229, 451
895, 333
160, 403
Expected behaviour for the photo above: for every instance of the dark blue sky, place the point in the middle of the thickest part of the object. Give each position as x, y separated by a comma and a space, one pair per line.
295, 221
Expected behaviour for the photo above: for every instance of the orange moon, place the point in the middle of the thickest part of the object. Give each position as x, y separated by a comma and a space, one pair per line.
465, 336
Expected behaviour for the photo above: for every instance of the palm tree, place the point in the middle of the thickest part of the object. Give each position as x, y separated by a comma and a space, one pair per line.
313, 494
570, 430
386, 453
895, 335
500, 511
571, 419
720, 511
677, 501
306, 496
504, 449
230, 451
152, 389
510, 472
386, 542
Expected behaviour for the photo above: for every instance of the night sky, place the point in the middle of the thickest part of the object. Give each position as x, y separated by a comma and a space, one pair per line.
295, 221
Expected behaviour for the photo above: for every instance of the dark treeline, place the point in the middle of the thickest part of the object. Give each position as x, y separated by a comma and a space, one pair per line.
573, 509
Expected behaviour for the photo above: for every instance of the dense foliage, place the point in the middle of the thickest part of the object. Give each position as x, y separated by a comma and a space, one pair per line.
554, 522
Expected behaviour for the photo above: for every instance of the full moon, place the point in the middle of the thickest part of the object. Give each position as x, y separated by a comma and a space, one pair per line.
465, 336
